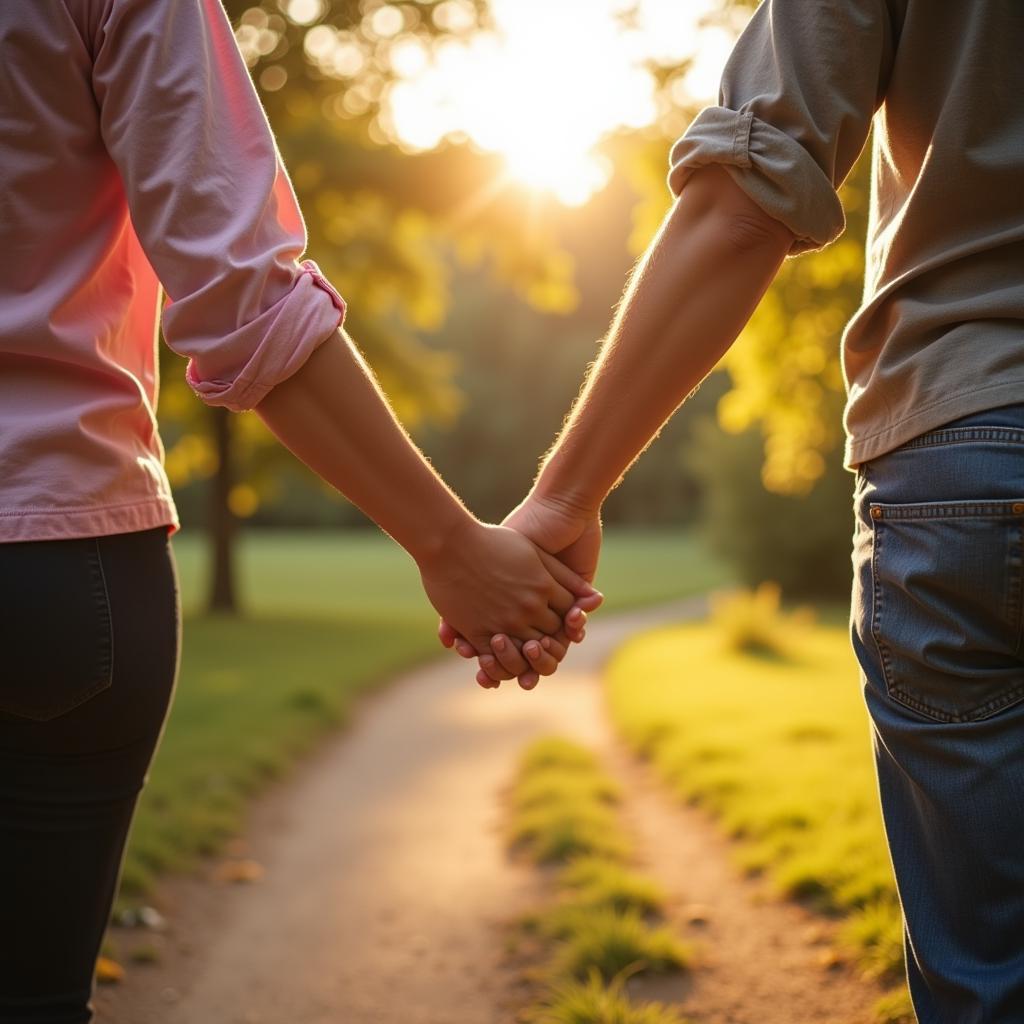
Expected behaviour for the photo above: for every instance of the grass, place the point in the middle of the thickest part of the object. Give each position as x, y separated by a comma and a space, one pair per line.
362, 572
595, 1002
253, 696
603, 925
600, 883
609, 942
327, 616
778, 748
895, 1008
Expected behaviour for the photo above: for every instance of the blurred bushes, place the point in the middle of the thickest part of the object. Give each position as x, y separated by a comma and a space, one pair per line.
753, 622
800, 541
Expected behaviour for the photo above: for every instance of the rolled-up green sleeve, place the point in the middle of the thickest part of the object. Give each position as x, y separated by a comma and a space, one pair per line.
795, 106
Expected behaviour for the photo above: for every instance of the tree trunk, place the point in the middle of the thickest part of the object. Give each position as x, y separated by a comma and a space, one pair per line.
221, 520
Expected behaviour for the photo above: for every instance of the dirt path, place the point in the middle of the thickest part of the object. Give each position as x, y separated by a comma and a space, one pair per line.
386, 880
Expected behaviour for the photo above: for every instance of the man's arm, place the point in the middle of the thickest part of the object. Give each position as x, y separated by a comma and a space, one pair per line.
691, 294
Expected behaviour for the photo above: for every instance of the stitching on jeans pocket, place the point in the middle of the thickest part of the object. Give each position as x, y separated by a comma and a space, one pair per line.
948, 627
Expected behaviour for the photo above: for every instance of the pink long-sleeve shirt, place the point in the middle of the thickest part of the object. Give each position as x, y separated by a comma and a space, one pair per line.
134, 153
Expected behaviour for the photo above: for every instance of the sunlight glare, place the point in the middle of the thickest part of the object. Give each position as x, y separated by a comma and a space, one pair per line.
546, 86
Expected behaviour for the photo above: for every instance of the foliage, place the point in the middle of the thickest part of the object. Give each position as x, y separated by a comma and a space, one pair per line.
760, 743
800, 541
753, 622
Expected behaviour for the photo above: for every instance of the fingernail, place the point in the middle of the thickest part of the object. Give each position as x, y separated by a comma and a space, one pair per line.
486, 661
499, 643
533, 649
545, 642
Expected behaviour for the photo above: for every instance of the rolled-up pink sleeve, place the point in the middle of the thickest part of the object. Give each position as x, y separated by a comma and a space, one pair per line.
209, 198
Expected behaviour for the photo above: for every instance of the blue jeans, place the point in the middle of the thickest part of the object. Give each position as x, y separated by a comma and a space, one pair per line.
936, 624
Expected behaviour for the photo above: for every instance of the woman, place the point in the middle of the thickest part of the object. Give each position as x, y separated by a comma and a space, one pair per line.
135, 154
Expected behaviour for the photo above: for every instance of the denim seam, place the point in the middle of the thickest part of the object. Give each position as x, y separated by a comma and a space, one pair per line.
1001, 509
964, 435
1017, 584
876, 609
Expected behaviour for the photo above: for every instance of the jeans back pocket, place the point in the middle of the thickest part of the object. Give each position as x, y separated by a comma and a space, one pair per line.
946, 609
56, 634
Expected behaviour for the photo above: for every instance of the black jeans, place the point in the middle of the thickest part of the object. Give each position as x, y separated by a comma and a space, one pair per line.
89, 641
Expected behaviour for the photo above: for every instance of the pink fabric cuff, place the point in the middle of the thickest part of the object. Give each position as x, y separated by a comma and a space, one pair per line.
280, 339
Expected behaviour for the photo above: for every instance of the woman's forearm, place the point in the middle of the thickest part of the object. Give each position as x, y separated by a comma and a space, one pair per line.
332, 415
688, 300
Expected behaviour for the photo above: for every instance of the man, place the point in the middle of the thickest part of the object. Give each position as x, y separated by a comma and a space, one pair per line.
934, 363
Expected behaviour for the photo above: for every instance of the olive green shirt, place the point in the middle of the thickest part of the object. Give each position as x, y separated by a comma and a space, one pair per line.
940, 331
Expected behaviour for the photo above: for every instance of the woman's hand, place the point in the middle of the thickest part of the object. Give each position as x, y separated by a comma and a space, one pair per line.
490, 580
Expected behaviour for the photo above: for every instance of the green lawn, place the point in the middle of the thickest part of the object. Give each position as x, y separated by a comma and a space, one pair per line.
777, 747
364, 573
327, 616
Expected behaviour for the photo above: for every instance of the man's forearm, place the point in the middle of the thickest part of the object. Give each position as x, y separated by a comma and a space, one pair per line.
690, 297
332, 415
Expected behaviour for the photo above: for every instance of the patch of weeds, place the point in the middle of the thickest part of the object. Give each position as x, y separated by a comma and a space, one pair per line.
555, 833
876, 931
558, 786
608, 942
595, 1002
894, 1008
557, 752
598, 882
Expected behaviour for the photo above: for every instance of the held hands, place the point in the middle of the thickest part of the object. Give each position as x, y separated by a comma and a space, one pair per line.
573, 535
488, 580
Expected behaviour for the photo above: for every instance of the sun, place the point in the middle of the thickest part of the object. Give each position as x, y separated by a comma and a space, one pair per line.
542, 88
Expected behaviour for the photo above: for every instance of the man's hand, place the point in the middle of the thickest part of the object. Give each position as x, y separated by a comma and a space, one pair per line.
573, 535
